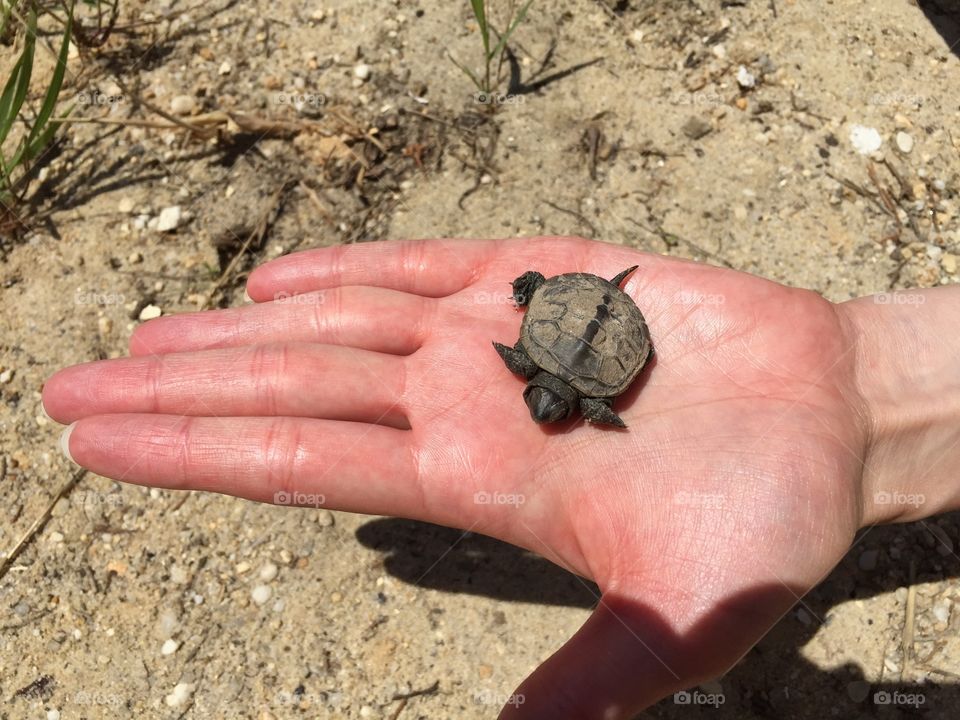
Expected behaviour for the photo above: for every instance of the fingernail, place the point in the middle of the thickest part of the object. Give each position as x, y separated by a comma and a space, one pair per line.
65, 442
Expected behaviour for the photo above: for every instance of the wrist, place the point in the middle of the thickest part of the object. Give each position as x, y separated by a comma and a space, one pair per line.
907, 384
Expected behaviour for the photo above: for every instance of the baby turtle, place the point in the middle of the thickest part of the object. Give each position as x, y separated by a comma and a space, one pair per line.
582, 342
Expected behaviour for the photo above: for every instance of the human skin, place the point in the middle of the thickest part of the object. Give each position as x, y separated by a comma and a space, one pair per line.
769, 428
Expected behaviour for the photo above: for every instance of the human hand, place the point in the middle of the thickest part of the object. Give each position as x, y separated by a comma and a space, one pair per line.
372, 381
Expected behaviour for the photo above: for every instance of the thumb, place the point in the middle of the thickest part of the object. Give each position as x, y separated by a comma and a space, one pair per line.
622, 660
627, 656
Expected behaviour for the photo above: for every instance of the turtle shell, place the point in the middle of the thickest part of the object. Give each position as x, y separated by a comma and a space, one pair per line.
587, 332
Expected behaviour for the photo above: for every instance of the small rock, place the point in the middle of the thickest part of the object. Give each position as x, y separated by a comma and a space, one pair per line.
180, 695
104, 325
865, 140
318, 15
941, 611
169, 647
56, 537
362, 71
150, 312
324, 518
6, 376
242, 567
178, 574
868, 560
745, 78
268, 572
904, 142
183, 105
169, 218
696, 127
948, 261
125, 205
134, 258
261, 594
225, 68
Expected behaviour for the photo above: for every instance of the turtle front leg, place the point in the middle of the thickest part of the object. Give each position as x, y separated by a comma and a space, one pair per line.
598, 410
517, 360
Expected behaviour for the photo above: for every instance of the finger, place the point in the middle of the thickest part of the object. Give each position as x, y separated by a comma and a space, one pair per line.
434, 268
340, 465
283, 379
369, 318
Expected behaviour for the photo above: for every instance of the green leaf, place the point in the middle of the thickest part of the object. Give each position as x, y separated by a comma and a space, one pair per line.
517, 19
19, 83
56, 83
480, 12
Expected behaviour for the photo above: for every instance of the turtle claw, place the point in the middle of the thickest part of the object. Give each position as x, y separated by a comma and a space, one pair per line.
619, 278
598, 411
517, 360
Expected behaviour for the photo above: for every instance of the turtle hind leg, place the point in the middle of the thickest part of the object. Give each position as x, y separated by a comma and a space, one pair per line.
517, 360
620, 278
598, 410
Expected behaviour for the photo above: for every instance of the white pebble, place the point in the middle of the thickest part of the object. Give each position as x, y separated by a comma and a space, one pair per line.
865, 140
745, 78
183, 105
268, 572
53, 715
125, 205
169, 218
150, 312
941, 611
261, 594
180, 695
904, 142
6, 376
225, 68
362, 71
169, 647
324, 518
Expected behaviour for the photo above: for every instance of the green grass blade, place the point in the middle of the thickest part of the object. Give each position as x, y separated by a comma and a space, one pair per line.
517, 19
19, 83
480, 12
467, 71
56, 83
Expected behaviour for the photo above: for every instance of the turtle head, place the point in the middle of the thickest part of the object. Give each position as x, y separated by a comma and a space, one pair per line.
525, 285
549, 398
545, 405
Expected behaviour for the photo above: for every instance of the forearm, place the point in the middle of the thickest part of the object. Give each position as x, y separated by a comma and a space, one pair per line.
907, 383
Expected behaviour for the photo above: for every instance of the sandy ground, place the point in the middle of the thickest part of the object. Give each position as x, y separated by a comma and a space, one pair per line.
625, 122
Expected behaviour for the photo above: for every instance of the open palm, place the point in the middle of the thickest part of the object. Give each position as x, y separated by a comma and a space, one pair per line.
365, 378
